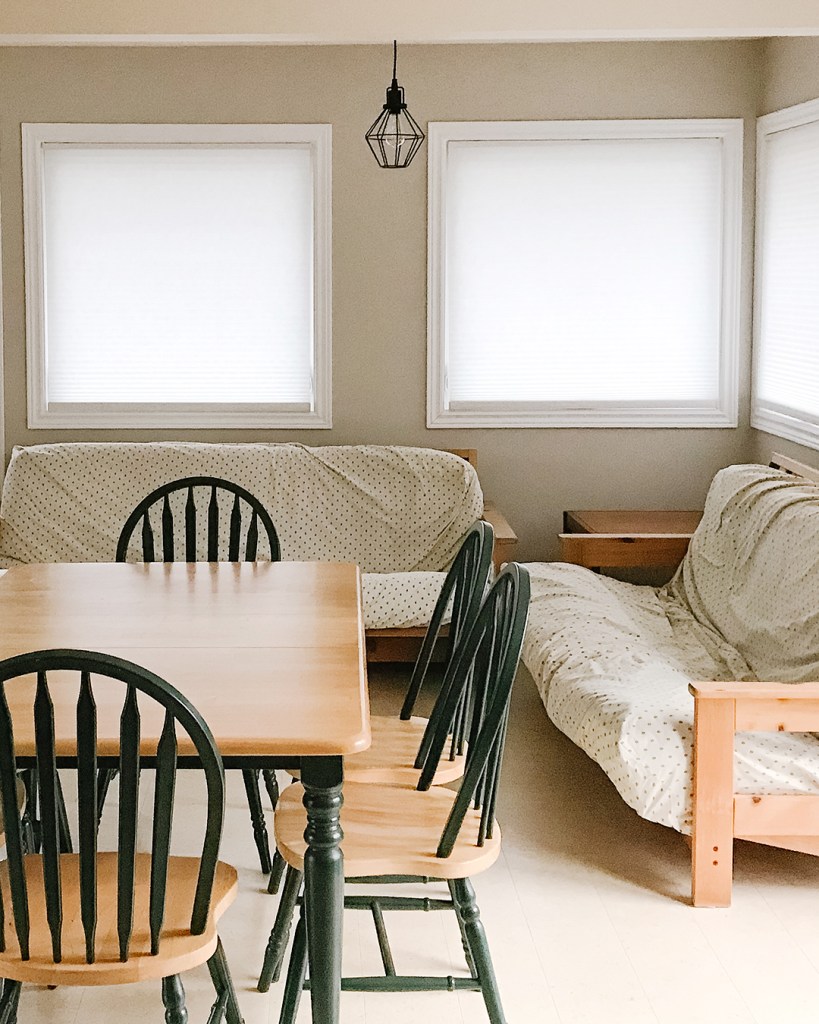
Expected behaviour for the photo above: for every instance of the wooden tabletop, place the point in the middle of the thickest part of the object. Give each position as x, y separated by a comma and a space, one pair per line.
270, 653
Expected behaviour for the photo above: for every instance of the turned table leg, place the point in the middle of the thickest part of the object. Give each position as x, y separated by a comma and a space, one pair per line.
323, 883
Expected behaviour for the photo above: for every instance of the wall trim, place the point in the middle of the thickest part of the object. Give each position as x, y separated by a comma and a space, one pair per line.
379, 39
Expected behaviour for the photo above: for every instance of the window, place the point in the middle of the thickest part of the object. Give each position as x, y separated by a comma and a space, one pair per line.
177, 275
584, 273
786, 338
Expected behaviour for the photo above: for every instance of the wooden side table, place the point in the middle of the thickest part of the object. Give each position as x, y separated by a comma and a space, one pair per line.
620, 538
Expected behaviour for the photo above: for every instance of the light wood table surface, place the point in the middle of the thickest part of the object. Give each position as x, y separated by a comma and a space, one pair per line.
270, 653
609, 538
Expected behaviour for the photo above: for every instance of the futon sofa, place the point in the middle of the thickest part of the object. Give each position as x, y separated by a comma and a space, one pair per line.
616, 666
399, 513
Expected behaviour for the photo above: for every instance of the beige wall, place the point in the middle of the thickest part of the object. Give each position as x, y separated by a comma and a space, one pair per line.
379, 229
791, 76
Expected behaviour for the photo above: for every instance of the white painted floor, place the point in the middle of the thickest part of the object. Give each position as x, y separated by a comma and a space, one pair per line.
587, 914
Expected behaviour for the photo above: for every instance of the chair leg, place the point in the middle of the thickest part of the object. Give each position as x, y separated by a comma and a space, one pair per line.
62, 820
296, 973
15, 1003
29, 820
9, 1001
274, 954
475, 936
105, 776
271, 784
223, 983
28, 836
276, 872
470, 960
173, 999
217, 1011
254, 802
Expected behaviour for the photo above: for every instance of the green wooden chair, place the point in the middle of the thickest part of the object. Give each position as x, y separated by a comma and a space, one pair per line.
394, 756
107, 918
394, 833
242, 545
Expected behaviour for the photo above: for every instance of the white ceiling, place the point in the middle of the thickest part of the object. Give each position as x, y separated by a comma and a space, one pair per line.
32, 22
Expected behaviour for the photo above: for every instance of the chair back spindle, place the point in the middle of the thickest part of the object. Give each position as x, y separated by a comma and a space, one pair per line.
164, 793
244, 507
87, 810
14, 839
167, 531
190, 527
147, 541
213, 526
47, 779
97, 670
129, 736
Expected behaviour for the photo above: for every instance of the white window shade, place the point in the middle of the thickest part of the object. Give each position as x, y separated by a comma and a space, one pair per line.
179, 282
786, 373
584, 280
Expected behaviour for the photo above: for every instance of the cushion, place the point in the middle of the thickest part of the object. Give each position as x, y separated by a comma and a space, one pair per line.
400, 600
751, 573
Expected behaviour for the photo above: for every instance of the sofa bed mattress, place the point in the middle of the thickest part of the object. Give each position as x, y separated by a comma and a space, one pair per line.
612, 662
400, 600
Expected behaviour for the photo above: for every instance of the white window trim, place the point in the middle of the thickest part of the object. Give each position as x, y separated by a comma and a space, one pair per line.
729, 131
764, 417
65, 416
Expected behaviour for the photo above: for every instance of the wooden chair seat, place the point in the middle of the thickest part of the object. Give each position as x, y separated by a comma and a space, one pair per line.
178, 951
390, 758
390, 830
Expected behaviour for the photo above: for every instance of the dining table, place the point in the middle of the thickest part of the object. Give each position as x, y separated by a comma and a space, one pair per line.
270, 653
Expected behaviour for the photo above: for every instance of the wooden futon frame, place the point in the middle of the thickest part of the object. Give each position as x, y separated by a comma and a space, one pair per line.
404, 644
789, 821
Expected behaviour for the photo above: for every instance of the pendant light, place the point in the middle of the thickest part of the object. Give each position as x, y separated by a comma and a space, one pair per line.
395, 137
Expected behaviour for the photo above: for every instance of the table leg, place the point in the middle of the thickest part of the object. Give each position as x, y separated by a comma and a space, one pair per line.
323, 883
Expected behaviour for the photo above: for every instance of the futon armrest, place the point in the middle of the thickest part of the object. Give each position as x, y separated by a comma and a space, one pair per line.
755, 691
505, 536
760, 707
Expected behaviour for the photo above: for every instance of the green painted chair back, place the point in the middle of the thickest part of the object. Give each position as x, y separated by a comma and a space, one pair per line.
484, 667
463, 589
105, 670
244, 506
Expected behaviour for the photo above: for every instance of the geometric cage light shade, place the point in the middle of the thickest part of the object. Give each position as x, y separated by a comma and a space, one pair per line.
395, 136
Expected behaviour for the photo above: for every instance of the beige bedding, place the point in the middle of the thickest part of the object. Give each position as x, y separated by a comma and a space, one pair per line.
397, 512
